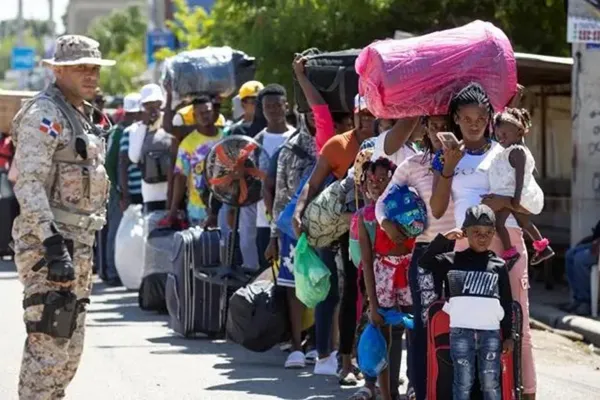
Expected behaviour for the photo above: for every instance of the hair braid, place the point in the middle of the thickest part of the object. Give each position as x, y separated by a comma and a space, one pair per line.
472, 94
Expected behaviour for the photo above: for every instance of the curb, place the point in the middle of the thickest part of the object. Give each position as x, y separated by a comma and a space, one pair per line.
555, 318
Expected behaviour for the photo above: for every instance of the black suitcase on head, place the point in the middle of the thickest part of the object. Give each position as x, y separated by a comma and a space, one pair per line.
334, 76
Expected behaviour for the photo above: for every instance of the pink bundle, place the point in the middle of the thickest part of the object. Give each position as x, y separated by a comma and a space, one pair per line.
418, 76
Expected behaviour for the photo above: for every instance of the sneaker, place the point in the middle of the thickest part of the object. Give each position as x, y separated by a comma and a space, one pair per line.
296, 359
327, 365
311, 357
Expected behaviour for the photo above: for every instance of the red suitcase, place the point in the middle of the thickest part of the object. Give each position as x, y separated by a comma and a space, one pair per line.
439, 363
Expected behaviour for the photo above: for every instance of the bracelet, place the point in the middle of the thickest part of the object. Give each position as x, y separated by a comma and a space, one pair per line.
446, 177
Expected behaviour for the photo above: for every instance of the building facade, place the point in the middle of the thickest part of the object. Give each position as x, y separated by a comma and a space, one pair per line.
82, 13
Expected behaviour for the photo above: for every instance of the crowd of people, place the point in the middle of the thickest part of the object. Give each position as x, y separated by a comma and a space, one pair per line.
479, 194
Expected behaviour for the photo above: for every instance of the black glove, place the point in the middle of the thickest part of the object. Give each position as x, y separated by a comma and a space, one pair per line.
58, 260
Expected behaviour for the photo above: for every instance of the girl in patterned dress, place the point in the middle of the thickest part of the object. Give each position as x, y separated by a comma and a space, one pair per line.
511, 174
385, 267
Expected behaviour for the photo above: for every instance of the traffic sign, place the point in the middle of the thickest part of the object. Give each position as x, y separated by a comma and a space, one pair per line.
22, 58
156, 40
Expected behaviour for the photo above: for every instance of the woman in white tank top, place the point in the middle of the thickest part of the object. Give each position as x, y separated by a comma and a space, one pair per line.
462, 174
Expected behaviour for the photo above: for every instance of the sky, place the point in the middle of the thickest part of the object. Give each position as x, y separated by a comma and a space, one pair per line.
34, 9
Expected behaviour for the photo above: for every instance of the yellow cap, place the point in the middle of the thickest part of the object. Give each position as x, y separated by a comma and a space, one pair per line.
250, 89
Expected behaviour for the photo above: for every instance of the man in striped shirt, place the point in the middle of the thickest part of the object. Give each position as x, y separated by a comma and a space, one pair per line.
130, 174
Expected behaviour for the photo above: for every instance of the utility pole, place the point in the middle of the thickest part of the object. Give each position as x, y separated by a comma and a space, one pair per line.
21, 43
51, 23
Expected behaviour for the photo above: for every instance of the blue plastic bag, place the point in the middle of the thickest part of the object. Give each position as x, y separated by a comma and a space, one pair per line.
284, 221
404, 207
394, 317
372, 351
311, 274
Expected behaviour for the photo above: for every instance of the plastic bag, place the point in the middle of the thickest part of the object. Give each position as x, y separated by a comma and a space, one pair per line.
395, 317
372, 351
284, 221
311, 274
209, 70
404, 207
418, 76
129, 245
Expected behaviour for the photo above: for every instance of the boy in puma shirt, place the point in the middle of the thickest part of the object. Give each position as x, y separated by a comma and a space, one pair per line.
479, 304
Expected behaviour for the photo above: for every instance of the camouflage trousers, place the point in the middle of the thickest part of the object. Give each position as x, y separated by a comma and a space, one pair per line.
49, 364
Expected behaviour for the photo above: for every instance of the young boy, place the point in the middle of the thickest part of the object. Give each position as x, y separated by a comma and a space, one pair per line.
479, 304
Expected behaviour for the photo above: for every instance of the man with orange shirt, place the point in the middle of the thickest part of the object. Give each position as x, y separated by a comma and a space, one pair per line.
337, 156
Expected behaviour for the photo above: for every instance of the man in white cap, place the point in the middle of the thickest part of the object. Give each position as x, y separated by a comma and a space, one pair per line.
62, 189
131, 108
150, 148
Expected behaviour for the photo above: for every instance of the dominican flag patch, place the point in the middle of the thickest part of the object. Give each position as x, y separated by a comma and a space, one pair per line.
50, 128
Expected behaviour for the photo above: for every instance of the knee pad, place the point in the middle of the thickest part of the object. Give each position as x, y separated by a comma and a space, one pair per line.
59, 317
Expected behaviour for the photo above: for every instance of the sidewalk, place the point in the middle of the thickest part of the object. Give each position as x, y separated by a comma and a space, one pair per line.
544, 307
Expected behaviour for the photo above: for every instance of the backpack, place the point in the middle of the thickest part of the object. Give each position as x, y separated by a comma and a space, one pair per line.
156, 157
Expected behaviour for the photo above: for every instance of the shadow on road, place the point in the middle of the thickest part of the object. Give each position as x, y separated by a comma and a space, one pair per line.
253, 373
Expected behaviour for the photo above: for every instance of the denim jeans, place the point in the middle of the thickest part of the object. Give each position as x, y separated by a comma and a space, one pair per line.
476, 350
579, 261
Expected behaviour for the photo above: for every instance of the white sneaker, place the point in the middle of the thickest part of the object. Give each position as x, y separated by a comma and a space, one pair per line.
327, 366
311, 357
295, 360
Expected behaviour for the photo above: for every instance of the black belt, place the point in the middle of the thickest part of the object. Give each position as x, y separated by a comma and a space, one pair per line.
154, 206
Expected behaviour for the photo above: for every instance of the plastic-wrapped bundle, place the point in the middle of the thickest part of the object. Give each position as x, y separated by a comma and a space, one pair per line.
214, 70
404, 207
418, 76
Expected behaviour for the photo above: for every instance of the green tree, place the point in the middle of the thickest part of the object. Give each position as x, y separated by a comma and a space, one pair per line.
189, 27
274, 30
122, 38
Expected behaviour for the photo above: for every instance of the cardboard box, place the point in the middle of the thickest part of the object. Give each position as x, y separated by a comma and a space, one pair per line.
10, 104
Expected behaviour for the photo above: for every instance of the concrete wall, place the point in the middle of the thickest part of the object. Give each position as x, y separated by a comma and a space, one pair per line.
586, 141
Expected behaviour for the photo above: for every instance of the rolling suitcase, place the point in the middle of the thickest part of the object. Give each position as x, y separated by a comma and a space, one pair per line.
196, 305
440, 373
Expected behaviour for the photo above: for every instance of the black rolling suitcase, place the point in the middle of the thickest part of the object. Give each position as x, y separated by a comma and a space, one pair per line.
334, 76
196, 296
9, 209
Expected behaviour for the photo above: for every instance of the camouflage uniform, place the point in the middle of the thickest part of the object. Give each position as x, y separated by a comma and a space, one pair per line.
58, 188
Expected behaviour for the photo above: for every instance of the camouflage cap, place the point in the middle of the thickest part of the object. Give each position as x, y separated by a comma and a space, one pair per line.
77, 50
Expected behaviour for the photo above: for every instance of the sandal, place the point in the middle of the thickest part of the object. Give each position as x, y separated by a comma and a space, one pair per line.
543, 251
348, 380
364, 393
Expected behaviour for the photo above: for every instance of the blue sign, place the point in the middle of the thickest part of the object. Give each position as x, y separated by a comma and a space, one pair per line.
22, 58
156, 40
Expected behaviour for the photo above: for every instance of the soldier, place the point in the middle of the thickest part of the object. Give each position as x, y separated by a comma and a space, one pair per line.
62, 188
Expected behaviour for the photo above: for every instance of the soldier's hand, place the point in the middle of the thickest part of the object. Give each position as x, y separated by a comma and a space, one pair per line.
58, 260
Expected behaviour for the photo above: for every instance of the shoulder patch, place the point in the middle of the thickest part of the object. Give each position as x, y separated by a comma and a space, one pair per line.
53, 129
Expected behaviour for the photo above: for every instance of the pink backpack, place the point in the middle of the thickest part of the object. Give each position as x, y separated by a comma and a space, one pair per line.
418, 76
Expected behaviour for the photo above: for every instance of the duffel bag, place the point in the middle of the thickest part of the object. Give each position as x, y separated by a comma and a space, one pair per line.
258, 318
323, 218
334, 76
419, 75
215, 70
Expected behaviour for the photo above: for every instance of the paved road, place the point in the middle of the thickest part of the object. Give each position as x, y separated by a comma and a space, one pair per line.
132, 355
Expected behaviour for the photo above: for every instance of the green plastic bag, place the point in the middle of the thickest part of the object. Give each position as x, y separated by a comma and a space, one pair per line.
311, 274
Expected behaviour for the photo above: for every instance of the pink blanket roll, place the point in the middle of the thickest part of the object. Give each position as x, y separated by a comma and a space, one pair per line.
418, 76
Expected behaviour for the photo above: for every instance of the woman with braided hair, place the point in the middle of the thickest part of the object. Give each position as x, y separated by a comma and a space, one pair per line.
511, 174
461, 174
